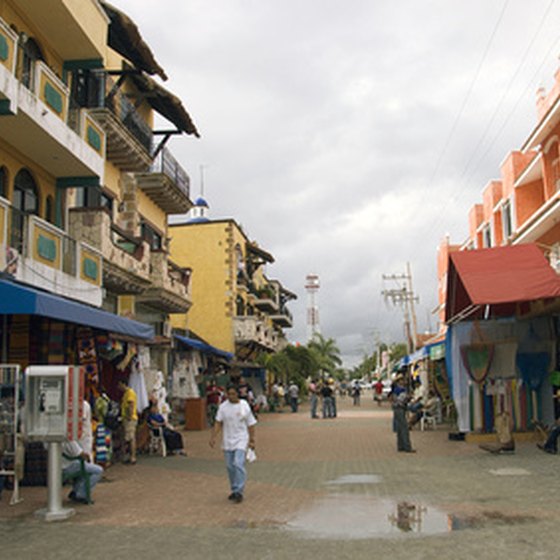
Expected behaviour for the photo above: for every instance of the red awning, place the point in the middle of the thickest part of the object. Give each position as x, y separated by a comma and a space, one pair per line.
504, 278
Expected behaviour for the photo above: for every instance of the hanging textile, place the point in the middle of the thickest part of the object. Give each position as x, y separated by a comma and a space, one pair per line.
19, 340
56, 343
477, 358
137, 382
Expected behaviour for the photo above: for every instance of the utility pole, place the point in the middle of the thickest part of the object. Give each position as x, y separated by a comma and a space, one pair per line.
404, 297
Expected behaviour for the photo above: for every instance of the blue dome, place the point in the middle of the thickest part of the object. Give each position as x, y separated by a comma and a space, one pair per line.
201, 202
198, 221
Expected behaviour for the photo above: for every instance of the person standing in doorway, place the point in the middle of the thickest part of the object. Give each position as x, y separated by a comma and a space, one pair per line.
235, 421
129, 417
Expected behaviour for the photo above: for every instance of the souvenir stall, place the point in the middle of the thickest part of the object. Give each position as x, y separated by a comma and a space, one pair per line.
196, 363
501, 337
40, 328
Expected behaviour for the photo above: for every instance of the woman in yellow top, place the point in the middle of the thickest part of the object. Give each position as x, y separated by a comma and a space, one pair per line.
129, 416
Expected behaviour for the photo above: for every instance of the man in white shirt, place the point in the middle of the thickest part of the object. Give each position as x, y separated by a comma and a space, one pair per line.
71, 453
236, 421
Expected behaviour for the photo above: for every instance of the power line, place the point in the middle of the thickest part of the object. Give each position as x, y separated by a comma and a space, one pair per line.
467, 96
464, 179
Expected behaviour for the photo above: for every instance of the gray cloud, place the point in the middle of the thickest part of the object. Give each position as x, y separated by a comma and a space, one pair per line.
322, 123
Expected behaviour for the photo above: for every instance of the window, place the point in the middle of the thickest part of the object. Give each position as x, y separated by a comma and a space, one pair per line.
153, 238
93, 197
487, 236
26, 196
87, 88
26, 201
507, 221
31, 53
3, 182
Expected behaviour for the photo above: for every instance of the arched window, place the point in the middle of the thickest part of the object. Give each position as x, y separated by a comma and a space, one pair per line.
3, 182
26, 195
31, 53
49, 209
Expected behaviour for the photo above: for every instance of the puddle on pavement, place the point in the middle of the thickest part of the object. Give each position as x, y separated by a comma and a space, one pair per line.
341, 516
344, 516
355, 479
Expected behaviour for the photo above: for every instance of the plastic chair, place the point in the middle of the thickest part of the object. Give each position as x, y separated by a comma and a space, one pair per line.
428, 419
81, 474
157, 441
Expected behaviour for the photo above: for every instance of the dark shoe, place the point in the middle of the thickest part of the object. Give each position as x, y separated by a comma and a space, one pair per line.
231, 496
409, 450
542, 447
78, 500
238, 498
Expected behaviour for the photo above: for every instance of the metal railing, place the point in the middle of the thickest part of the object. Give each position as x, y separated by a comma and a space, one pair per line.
116, 101
165, 163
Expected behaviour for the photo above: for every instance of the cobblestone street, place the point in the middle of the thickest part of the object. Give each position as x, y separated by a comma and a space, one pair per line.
329, 488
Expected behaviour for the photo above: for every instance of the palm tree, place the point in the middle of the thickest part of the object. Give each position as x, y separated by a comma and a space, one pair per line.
326, 353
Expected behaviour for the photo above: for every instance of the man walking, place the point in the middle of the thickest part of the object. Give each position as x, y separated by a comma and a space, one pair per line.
236, 421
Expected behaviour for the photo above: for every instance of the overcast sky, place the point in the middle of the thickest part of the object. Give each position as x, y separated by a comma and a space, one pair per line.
348, 137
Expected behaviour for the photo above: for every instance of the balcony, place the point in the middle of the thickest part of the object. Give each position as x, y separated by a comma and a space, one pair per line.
75, 29
251, 330
283, 318
167, 184
169, 290
129, 138
8, 61
126, 259
35, 119
265, 300
40, 254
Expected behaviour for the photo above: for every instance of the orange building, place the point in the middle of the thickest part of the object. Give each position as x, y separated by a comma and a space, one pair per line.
523, 205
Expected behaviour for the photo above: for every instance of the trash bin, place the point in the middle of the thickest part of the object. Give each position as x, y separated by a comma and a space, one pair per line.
195, 414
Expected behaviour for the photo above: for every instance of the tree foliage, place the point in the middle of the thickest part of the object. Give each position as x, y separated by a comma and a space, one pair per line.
297, 363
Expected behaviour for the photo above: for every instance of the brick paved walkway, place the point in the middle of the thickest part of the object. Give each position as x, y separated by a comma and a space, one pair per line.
335, 488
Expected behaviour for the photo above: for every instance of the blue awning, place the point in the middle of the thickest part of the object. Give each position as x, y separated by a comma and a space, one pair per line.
17, 299
203, 347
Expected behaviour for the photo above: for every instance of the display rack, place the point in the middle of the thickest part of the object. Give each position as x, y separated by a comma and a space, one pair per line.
10, 402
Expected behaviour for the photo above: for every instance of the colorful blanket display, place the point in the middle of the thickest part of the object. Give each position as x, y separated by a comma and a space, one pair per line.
502, 366
512, 395
18, 347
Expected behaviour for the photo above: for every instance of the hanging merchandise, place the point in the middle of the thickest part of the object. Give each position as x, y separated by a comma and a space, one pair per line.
137, 383
477, 356
130, 353
533, 362
87, 357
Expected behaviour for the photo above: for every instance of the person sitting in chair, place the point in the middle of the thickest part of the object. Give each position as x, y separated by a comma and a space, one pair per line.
72, 456
173, 439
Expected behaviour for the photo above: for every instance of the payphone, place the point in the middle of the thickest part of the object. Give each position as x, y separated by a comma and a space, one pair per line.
53, 414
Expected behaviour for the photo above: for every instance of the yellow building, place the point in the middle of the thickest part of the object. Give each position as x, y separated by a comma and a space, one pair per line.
235, 306
86, 182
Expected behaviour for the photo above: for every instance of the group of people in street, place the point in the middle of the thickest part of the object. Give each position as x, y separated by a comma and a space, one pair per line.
322, 391
78, 455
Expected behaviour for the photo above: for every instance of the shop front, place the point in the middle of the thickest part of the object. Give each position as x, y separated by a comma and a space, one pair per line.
501, 342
